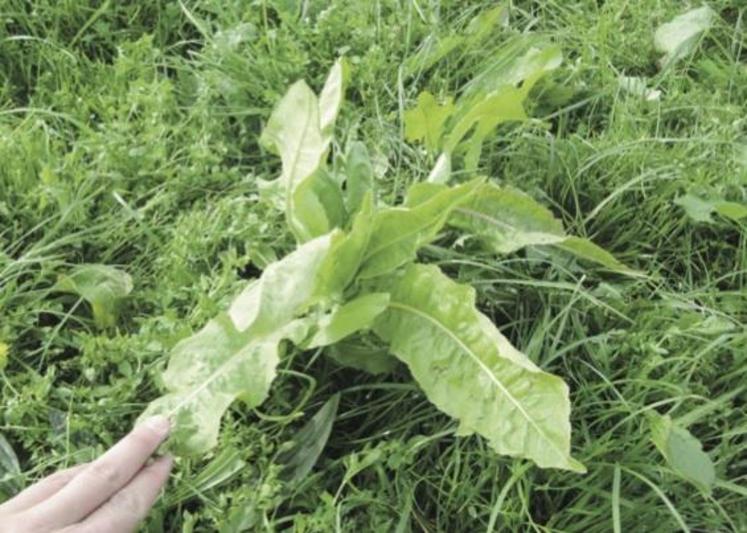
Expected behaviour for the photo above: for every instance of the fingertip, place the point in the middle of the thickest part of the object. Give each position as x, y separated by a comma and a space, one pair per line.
159, 424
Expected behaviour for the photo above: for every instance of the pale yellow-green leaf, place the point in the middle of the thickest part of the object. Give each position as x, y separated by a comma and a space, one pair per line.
441, 171
677, 38
481, 115
285, 289
348, 249
359, 175
471, 372
398, 232
331, 98
506, 219
3, 355
235, 355
294, 133
425, 122
353, 316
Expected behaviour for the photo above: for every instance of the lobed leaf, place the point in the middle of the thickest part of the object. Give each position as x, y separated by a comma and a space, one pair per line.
425, 122
236, 354
471, 372
494, 97
481, 115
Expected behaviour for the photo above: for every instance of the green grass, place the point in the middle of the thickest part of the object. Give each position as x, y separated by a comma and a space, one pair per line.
128, 136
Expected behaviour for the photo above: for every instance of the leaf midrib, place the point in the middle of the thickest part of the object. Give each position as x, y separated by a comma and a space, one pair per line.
293, 170
484, 367
505, 225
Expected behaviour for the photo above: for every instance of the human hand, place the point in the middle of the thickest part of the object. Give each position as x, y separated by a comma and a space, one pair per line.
112, 493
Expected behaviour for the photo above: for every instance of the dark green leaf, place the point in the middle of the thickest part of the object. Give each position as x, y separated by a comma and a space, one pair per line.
308, 443
359, 353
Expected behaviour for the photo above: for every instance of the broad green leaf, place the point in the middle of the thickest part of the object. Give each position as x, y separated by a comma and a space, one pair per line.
425, 122
360, 353
346, 255
732, 210
700, 210
331, 98
359, 177
506, 219
102, 286
471, 372
398, 232
497, 96
481, 115
236, 354
677, 38
308, 443
318, 204
349, 318
696, 208
299, 131
206, 373
293, 132
285, 289
683, 452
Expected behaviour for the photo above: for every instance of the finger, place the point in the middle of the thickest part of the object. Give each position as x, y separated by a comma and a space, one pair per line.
129, 506
41, 490
102, 478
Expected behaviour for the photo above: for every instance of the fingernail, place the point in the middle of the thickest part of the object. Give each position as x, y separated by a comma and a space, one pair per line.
160, 424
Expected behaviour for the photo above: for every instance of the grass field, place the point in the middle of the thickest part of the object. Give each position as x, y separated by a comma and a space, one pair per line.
129, 137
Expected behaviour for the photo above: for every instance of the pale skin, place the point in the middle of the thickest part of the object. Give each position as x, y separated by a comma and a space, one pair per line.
113, 493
